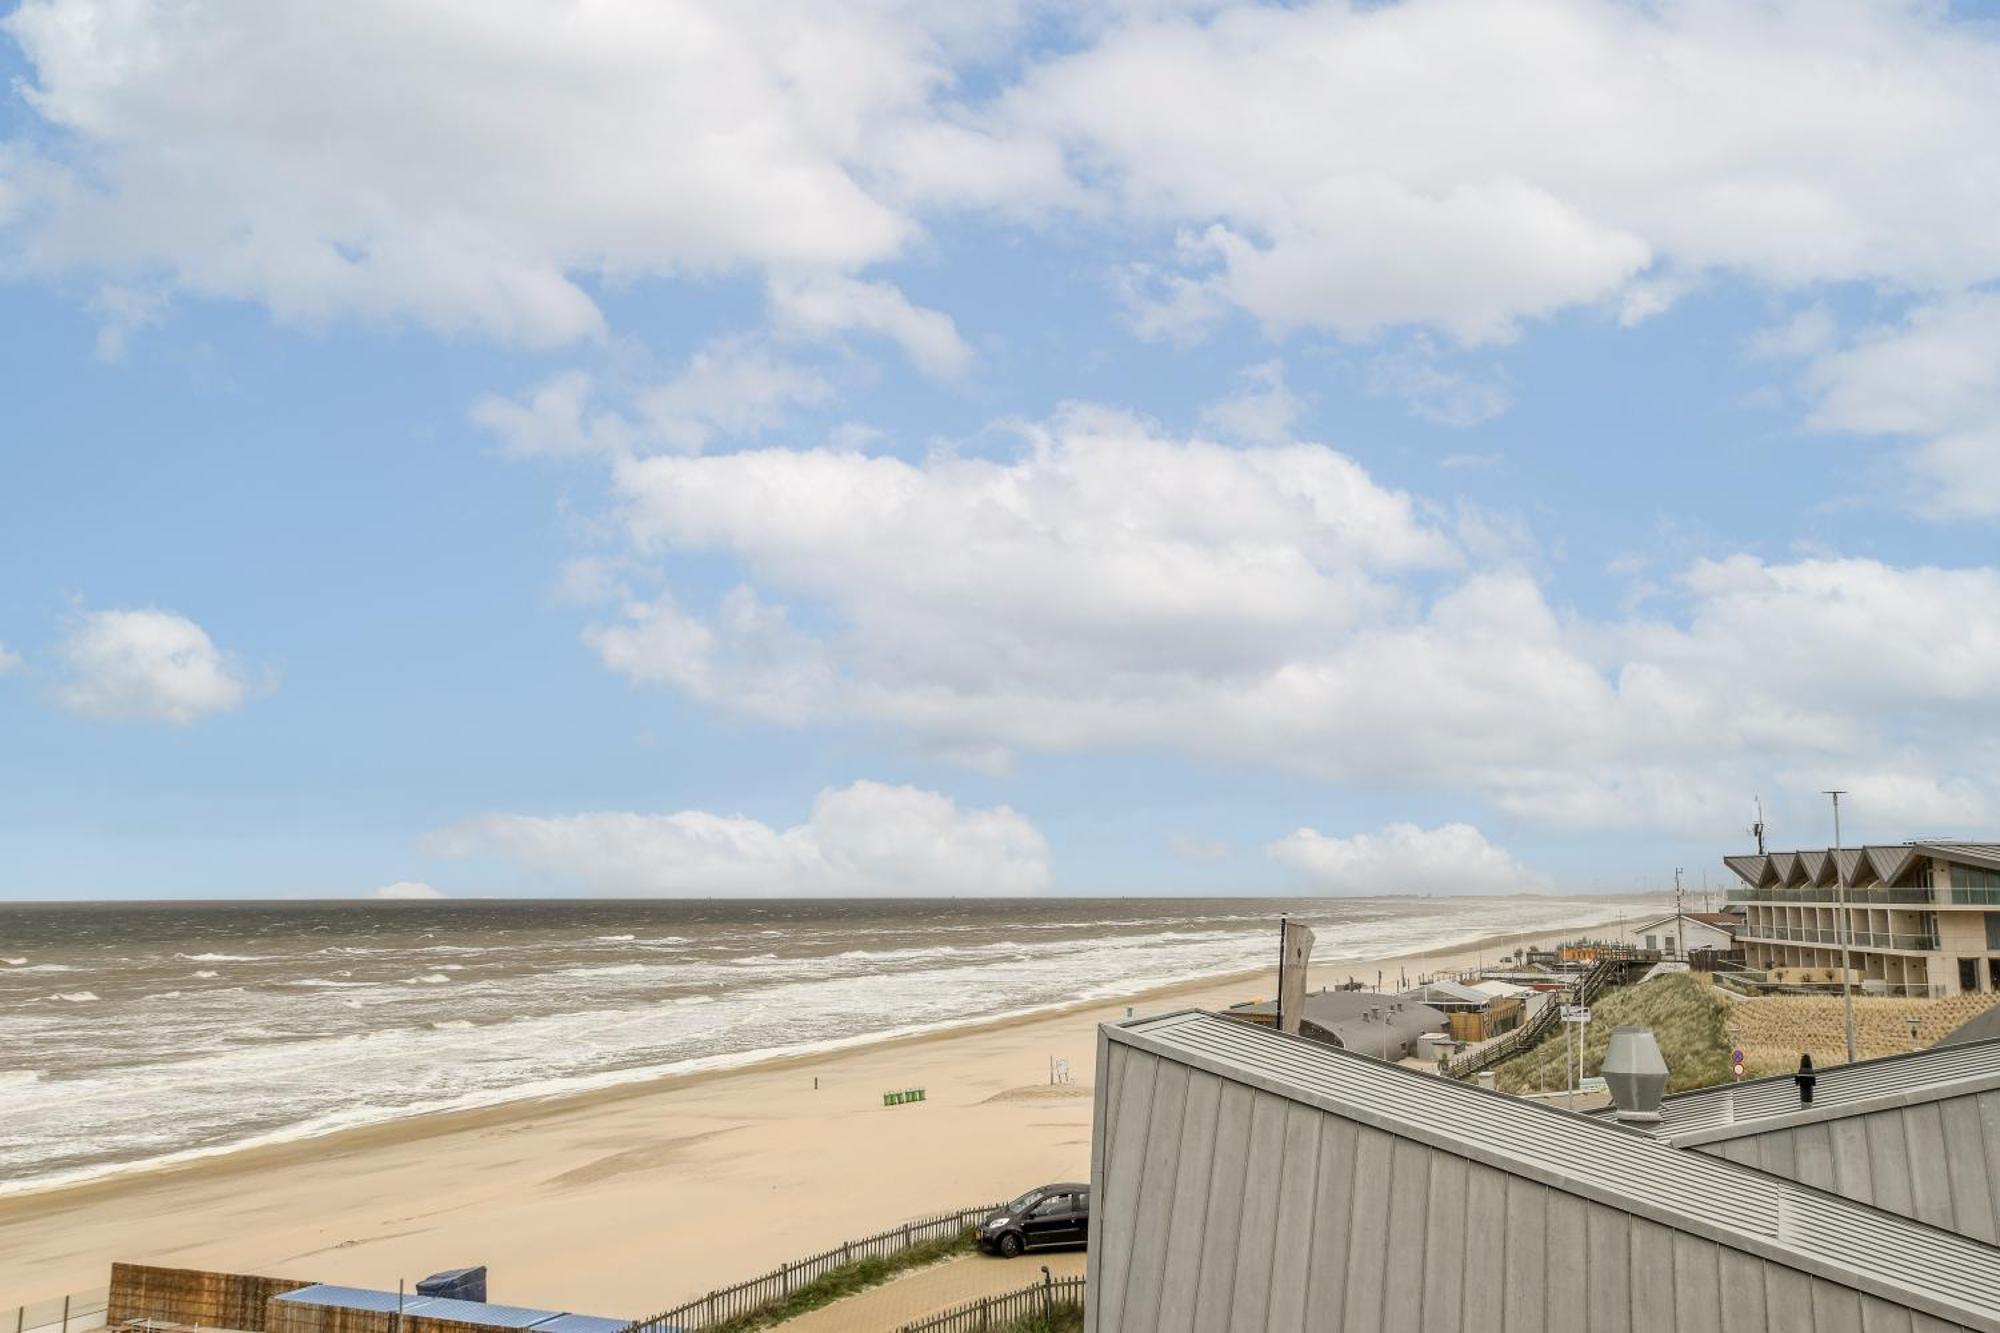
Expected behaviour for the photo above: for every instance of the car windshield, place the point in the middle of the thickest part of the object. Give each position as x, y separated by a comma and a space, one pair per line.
1022, 1203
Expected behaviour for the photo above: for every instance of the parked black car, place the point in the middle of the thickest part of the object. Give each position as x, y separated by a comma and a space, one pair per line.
1042, 1219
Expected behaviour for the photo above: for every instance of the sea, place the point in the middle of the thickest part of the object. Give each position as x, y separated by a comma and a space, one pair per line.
138, 1035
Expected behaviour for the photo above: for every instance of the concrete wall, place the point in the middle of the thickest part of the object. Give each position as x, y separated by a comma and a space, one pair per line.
1222, 1207
1937, 1161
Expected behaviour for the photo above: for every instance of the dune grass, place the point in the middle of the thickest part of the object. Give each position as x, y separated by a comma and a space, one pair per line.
850, 1279
1685, 1014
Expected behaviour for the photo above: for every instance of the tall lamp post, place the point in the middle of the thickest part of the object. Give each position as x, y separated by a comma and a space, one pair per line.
1846, 925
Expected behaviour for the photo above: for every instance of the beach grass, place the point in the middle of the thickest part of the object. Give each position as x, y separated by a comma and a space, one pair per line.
1066, 1317
1687, 1018
851, 1279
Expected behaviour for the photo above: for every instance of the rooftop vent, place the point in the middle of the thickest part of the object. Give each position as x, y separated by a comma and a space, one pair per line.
1635, 1073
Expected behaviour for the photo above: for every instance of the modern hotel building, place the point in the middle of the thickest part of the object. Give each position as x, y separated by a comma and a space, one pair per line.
1922, 917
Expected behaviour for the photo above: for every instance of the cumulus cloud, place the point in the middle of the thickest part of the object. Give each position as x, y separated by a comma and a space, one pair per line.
1403, 858
1467, 165
152, 665
1464, 165
1932, 379
406, 889
467, 168
1107, 586
827, 304
864, 839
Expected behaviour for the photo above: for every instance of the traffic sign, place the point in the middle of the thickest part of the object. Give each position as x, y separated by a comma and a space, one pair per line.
1576, 1013
1736, 1056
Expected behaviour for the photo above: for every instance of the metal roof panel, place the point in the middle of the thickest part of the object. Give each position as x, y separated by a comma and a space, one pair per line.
1915, 1264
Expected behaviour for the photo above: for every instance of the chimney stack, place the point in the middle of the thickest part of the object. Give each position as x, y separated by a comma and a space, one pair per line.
1635, 1073
1805, 1078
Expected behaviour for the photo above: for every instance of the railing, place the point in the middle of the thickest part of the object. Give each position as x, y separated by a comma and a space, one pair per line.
1544, 1018
1829, 895
761, 1293
79, 1312
1860, 939
1045, 1300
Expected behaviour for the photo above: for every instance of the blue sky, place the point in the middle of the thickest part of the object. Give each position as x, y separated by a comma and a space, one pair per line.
696, 448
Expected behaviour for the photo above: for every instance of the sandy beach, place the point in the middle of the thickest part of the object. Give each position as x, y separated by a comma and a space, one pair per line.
625, 1201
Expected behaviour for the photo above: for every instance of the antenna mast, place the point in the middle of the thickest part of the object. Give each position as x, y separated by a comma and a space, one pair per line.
1757, 829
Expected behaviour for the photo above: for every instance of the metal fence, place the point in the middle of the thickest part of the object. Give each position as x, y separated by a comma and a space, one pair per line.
761, 1293
79, 1312
1045, 1300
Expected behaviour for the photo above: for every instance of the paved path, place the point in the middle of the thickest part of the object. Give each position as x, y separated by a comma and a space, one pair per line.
888, 1307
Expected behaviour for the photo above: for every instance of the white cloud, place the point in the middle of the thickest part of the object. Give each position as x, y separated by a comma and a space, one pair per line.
1403, 858
151, 664
8, 661
828, 304
1933, 379
731, 389
468, 166
1470, 164
1110, 588
1261, 411
868, 838
406, 889
1464, 165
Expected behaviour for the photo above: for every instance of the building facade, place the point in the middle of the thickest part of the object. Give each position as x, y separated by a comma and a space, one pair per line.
1676, 935
1921, 918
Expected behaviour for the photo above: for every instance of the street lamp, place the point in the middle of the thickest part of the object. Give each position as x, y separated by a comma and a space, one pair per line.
1846, 925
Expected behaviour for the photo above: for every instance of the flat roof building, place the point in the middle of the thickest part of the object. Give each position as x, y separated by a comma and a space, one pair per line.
1247, 1180
1385, 1026
1922, 918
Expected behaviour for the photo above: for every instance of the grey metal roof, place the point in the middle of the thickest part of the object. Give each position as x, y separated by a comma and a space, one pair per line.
483, 1313
350, 1298
1758, 1105
583, 1323
1914, 1264
486, 1314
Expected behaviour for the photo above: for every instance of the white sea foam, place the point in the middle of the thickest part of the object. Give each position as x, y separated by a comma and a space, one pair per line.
612, 970
538, 1033
206, 975
616, 939
75, 996
49, 967
326, 983
19, 1078
13, 962
223, 957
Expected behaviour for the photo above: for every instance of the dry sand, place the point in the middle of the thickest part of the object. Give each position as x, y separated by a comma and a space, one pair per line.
626, 1201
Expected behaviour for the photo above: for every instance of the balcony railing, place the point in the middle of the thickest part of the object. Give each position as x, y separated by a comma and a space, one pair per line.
1831, 896
1860, 939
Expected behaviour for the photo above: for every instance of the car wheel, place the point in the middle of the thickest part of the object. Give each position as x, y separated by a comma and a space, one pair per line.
1010, 1245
